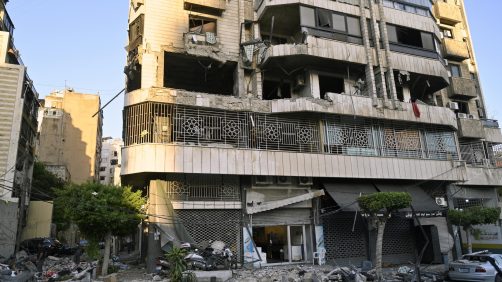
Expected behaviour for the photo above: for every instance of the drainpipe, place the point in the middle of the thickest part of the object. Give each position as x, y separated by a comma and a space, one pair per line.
379, 59
385, 40
370, 75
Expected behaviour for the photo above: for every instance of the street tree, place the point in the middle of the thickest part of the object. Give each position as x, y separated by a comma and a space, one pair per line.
102, 211
43, 188
379, 207
471, 216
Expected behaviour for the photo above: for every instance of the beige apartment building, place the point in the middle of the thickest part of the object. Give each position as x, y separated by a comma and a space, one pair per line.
18, 123
70, 136
260, 123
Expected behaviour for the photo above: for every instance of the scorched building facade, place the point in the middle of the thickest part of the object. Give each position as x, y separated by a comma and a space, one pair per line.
259, 123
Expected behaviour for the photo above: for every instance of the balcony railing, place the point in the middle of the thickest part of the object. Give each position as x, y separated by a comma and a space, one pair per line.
490, 123
484, 154
166, 123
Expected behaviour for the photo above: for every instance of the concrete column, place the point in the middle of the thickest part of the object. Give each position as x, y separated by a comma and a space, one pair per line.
385, 40
370, 75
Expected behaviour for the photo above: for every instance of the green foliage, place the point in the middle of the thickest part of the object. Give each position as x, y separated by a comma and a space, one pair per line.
99, 209
176, 258
92, 250
44, 183
474, 216
385, 202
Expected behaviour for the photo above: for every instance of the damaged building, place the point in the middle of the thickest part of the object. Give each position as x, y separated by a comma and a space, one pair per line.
18, 130
260, 123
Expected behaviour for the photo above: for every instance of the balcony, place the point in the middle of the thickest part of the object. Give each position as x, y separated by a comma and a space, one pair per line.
470, 128
447, 12
219, 5
462, 88
484, 160
492, 131
455, 49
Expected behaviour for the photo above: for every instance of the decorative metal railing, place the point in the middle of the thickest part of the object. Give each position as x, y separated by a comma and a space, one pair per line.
166, 123
206, 188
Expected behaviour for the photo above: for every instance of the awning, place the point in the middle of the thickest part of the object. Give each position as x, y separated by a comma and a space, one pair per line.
421, 201
346, 194
270, 205
161, 213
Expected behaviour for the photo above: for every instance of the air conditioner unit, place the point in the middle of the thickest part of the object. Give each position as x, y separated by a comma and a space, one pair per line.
263, 180
283, 180
453, 106
446, 62
449, 73
305, 181
462, 115
441, 202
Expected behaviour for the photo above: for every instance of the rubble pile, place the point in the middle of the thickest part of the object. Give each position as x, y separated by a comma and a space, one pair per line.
302, 273
19, 268
327, 273
64, 267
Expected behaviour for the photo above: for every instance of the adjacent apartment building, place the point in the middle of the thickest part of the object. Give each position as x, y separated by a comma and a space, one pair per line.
109, 170
18, 125
70, 134
260, 123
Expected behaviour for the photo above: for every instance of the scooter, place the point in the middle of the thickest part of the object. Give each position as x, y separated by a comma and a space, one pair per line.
209, 258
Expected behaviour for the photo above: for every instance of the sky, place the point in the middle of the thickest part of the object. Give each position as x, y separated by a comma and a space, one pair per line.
80, 44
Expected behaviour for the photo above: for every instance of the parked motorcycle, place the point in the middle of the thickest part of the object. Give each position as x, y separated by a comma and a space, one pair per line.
212, 256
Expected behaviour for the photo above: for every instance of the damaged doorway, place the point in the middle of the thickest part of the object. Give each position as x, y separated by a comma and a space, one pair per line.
281, 243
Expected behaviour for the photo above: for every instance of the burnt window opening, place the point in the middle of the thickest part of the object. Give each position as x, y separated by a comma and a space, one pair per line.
201, 25
133, 74
273, 89
114, 162
400, 93
198, 74
330, 84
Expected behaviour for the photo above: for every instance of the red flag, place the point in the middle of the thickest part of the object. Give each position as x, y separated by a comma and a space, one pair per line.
416, 110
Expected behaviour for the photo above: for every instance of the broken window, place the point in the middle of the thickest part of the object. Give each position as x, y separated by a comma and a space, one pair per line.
463, 107
324, 19
273, 89
201, 25
410, 37
198, 74
330, 84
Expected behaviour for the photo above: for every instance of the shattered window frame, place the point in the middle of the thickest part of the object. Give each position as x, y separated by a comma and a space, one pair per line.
205, 25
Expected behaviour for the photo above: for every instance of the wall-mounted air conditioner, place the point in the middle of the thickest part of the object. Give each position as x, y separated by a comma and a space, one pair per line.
470, 116
284, 180
263, 180
441, 201
305, 181
462, 115
453, 106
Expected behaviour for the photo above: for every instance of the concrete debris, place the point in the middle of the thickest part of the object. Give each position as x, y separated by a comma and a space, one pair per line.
326, 273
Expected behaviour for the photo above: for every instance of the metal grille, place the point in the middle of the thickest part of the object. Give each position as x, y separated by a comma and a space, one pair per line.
473, 153
342, 244
166, 123
398, 241
495, 154
203, 188
215, 225
275, 133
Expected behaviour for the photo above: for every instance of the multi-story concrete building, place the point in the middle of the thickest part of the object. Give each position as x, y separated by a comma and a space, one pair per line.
18, 123
479, 137
70, 136
109, 170
266, 120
